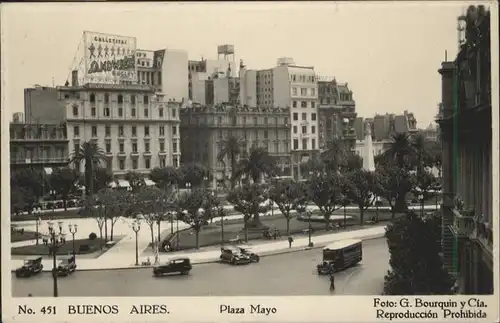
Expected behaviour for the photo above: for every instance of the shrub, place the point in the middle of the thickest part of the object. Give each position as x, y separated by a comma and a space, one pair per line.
84, 248
92, 236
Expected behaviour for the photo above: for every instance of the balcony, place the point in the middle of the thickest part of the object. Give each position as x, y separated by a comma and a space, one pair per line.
39, 160
108, 154
162, 153
134, 154
147, 153
122, 154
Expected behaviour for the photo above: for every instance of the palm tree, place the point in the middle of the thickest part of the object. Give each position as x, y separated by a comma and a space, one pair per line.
335, 155
422, 156
231, 148
92, 155
401, 149
258, 163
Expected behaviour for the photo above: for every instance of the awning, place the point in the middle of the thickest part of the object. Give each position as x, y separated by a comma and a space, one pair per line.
48, 170
123, 183
149, 182
112, 185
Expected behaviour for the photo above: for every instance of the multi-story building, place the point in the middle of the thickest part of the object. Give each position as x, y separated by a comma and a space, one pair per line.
431, 133
385, 125
465, 121
205, 129
42, 105
337, 113
137, 128
38, 145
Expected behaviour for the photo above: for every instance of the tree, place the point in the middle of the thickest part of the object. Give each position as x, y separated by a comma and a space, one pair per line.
401, 150
193, 173
360, 187
326, 192
422, 156
416, 265
425, 183
231, 149
288, 196
95, 209
248, 200
22, 199
314, 166
64, 181
92, 156
29, 181
101, 179
353, 162
394, 183
135, 179
165, 177
196, 216
335, 155
117, 204
257, 164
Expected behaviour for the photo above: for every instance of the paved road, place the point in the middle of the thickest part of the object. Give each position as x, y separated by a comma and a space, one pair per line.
287, 274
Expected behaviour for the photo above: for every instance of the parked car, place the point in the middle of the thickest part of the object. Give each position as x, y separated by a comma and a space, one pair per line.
66, 265
234, 256
325, 268
31, 266
177, 265
247, 250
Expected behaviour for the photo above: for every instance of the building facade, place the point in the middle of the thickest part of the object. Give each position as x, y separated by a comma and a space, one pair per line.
137, 128
337, 114
42, 105
385, 125
38, 145
465, 121
205, 129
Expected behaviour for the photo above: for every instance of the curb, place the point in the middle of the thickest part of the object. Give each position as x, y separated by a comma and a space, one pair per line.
269, 254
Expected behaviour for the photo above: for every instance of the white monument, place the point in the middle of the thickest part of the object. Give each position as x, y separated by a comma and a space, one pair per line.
368, 158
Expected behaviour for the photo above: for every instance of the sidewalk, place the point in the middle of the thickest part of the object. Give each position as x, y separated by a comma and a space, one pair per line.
212, 254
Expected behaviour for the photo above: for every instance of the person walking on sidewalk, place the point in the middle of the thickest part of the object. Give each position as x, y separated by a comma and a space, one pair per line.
332, 281
290, 240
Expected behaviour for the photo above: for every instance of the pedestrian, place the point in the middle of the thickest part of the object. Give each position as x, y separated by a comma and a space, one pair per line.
29, 295
332, 282
290, 240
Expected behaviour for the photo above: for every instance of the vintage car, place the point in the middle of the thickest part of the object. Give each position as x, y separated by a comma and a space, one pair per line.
66, 265
234, 256
31, 266
247, 250
325, 268
176, 265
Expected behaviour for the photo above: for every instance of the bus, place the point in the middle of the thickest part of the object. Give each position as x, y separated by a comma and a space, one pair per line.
343, 253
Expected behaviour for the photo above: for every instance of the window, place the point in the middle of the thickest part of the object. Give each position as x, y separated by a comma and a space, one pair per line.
94, 131
313, 129
163, 162
146, 147
174, 113
76, 131
92, 97
132, 112
286, 121
106, 98
174, 130
174, 147
294, 129
304, 116
313, 144
313, 105
162, 146
120, 112
160, 112
134, 163
106, 112
75, 111
276, 147
146, 99
146, 130
107, 131
175, 162
134, 147
265, 134
295, 144
92, 111
313, 92
304, 144
122, 147
120, 131
162, 131
121, 163
303, 91
255, 121
120, 99
313, 116
147, 162
108, 147
304, 129
134, 131
295, 116
146, 112
132, 99
303, 104
77, 147
286, 146
294, 91
294, 104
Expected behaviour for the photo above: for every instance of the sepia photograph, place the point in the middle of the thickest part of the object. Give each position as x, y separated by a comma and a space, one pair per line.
249, 149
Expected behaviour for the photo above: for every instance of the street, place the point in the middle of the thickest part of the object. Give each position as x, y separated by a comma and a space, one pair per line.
288, 274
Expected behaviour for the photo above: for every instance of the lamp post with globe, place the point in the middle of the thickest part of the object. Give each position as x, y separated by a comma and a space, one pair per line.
54, 244
73, 228
136, 226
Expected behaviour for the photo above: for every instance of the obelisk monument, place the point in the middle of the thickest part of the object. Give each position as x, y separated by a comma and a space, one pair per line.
368, 158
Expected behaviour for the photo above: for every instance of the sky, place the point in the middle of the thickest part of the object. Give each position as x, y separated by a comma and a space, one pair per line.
388, 53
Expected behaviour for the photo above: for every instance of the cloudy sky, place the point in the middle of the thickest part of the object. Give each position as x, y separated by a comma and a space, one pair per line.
388, 53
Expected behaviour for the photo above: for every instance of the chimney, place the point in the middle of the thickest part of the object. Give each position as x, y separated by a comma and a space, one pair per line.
74, 78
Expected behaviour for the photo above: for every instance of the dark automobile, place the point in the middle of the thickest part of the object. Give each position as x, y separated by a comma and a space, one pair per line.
325, 268
66, 265
31, 266
176, 265
247, 250
233, 256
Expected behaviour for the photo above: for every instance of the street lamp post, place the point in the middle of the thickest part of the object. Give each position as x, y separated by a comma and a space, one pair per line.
221, 215
169, 214
136, 226
309, 214
205, 179
37, 224
73, 228
53, 195
421, 199
188, 186
53, 247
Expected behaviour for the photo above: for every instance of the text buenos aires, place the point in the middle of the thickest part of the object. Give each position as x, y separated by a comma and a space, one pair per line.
89, 309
